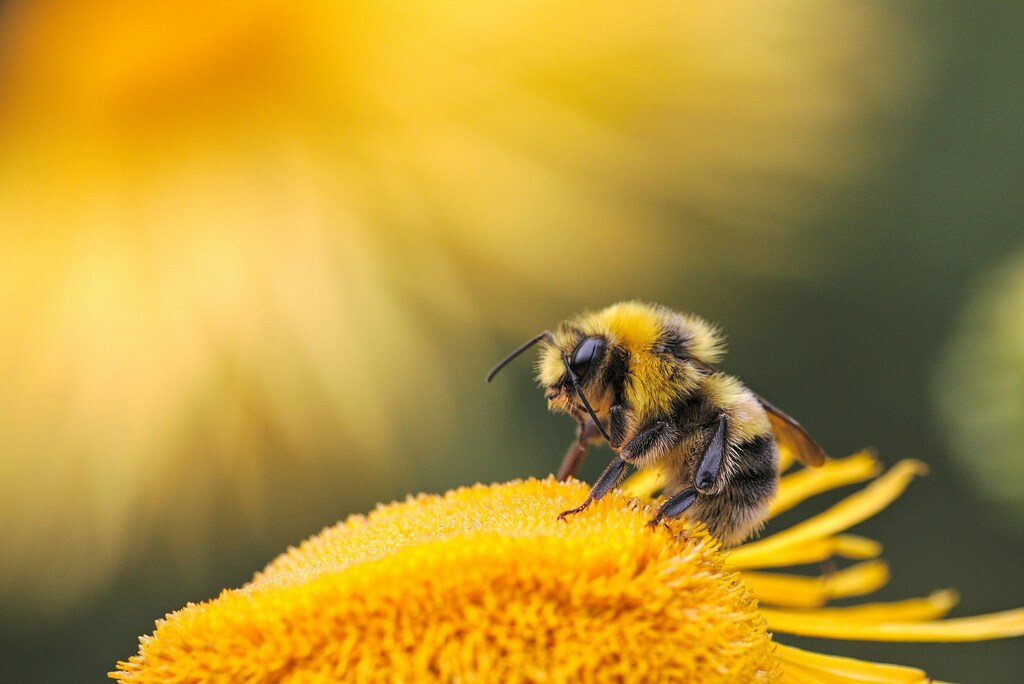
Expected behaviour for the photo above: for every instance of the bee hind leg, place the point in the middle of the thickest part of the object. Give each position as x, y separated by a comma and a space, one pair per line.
674, 507
609, 478
711, 461
707, 475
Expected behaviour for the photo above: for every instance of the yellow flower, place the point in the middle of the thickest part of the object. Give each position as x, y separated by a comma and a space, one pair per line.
485, 584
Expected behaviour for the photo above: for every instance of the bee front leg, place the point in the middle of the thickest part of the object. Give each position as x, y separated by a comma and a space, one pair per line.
609, 478
617, 424
578, 450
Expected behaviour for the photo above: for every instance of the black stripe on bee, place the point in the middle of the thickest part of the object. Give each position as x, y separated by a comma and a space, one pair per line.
754, 474
694, 409
616, 372
671, 342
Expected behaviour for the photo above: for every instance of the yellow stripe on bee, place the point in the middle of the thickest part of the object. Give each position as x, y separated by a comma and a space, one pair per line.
651, 388
635, 326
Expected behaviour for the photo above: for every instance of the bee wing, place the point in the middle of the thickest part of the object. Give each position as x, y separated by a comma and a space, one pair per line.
791, 435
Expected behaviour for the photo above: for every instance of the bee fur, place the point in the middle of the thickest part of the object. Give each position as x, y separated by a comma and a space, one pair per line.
643, 377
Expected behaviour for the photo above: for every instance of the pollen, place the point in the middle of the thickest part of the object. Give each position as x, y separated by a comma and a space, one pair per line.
482, 583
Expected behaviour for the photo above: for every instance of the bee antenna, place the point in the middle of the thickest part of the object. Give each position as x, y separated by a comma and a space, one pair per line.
586, 404
546, 335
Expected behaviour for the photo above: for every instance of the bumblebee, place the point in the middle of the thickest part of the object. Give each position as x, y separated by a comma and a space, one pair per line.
642, 377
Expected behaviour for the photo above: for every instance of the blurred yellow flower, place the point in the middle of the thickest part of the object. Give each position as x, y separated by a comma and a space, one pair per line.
486, 583
225, 224
979, 390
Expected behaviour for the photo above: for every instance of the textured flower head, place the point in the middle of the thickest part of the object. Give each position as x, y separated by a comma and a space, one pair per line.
486, 583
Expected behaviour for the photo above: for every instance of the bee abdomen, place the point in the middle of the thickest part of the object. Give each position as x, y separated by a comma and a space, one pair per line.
755, 468
749, 484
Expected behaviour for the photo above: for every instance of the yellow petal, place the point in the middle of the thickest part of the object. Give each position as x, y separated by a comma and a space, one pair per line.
1002, 625
795, 675
835, 668
786, 458
803, 484
804, 592
937, 605
855, 546
847, 513
643, 483
845, 545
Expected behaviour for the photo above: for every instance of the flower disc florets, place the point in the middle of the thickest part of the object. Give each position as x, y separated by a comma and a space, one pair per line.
483, 583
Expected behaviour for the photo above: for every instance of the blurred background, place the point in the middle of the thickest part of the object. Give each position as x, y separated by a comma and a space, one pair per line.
256, 258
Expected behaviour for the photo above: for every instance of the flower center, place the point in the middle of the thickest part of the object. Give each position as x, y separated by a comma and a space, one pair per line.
483, 581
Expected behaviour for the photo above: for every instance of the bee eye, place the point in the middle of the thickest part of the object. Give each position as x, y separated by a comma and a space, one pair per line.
584, 355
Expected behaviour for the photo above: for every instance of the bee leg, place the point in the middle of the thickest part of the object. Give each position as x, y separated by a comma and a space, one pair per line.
656, 437
674, 507
609, 478
572, 460
711, 462
707, 474
578, 449
617, 426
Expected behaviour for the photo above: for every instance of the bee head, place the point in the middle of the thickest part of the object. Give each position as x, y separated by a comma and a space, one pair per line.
580, 359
